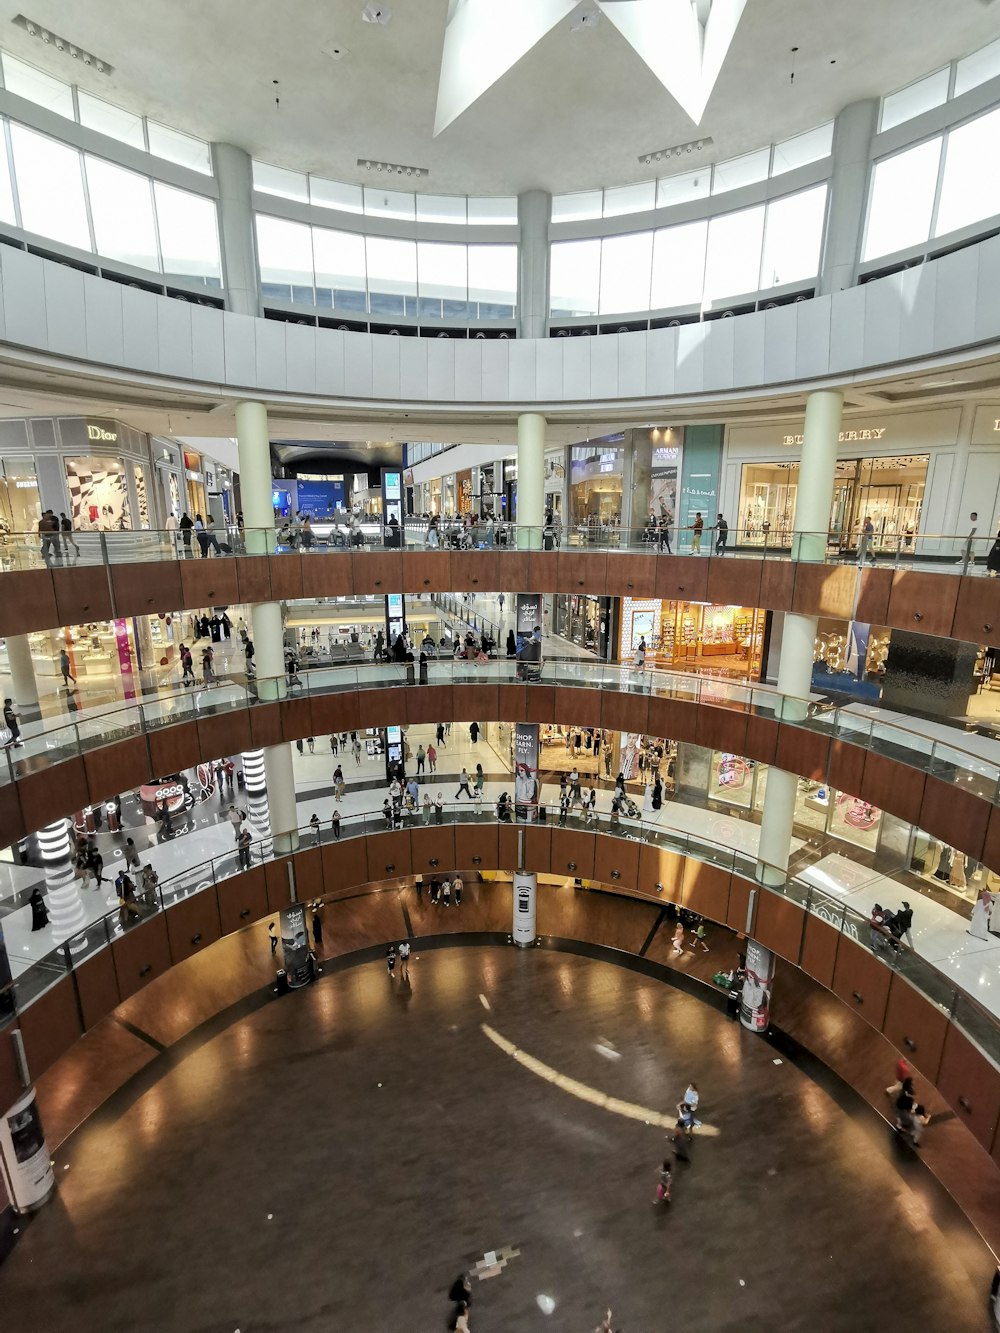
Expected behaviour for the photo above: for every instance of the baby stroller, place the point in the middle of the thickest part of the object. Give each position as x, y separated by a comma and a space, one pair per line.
629, 807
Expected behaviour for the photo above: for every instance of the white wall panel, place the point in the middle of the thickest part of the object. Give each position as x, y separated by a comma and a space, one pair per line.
604, 366
385, 364
300, 358
987, 323
661, 359
173, 332
240, 349
269, 353
549, 368
23, 297
65, 315
207, 344
955, 302
748, 351
689, 376
441, 369
719, 353
918, 292
330, 361
521, 372
631, 364
139, 325
496, 372
102, 302
468, 370
780, 333
357, 366
883, 319
812, 337
412, 368
847, 328
576, 368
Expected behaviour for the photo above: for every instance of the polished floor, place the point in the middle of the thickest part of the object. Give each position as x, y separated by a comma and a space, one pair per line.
333, 1159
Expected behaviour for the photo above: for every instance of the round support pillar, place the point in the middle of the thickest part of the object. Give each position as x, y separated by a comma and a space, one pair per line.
22, 671
530, 480
254, 448
817, 467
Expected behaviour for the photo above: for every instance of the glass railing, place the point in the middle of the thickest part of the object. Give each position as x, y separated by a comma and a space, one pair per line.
973, 1018
952, 553
969, 762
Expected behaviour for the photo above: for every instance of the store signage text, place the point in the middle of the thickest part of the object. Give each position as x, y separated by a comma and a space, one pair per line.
99, 433
996, 424
26, 485
847, 436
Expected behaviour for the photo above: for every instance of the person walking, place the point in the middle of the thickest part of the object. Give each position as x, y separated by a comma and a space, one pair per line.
421, 757
677, 942
65, 668
474, 732
865, 541
657, 793
390, 960
440, 734
335, 824
432, 758
446, 892
317, 924
456, 888
10, 722
721, 535
663, 535
463, 784
697, 528
427, 808
186, 526
66, 529
902, 924
356, 750
314, 825
311, 742
439, 809
698, 937
39, 912
404, 960
244, 840
201, 534
131, 855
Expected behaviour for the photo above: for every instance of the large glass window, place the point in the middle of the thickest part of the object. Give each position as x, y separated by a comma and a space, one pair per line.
36, 86
915, 99
392, 275
740, 171
493, 280
498, 211
732, 262
792, 238
184, 149
339, 257
626, 265
281, 182
977, 68
624, 199
443, 280
285, 255
111, 120
683, 188
50, 188
189, 233
441, 208
7, 212
121, 206
575, 277
390, 204
812, 146
970, 187
578, 207
679, 265
902, 199
332, 194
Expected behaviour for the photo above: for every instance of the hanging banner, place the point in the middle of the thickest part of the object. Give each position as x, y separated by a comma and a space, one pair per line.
755, 1002
525, 893
528, 635
24, 1156
295, 945
526, 784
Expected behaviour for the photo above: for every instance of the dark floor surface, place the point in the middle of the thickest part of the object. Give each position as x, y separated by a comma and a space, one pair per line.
392, 1144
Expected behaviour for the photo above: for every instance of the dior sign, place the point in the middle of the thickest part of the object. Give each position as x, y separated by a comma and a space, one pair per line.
849, 436
98, 433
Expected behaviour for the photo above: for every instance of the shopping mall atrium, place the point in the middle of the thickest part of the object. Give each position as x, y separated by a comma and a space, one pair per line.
500, 757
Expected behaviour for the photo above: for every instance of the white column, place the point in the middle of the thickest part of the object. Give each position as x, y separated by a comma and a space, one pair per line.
281, 797
533, 211
269, 649
817, 468
22, 672
234, 174
62, 889
853, 132
258, 810
530, 480
253, 443
776, 820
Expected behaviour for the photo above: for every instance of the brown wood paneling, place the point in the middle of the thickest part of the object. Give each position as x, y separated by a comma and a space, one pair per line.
253, 578
308, 865
173, 748
625, 712
635, 575
804, 752
915, 1026
778, 925
29, 602
210, 582
977, 609
116, 768
426, 571
679, 578
12, 826
265, 724
893, 786
539, 703
970, 1085
777, 584
377, 571
97, 987
383, 707
222, 734
476, 840
471, 703
242, 900
738, 911
659, 866
543, 572
345, 864
507, 847
474, 571
722, 729
580, 707
919, 602
279, 891
825, 590
665, 716
193, 924
538, 848
873, 596
328, 574
819, 950
706, 890
50, 1026
762, 738
847, 767
734, 582
583, 572
991, 844
508, 571
956, 815
82, 594
143, 590
570, 848
616, 861
432, 848
861, 981
11, 1087
296, 717
389, 855
435, 703
510, 703
53, 792
285, 573
142, 954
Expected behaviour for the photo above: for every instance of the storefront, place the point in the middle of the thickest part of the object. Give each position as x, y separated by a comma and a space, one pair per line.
693, 636
582, 620
596, 471
20, 508
898, 471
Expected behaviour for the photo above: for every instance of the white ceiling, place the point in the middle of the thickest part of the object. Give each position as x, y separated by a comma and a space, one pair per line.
575, 111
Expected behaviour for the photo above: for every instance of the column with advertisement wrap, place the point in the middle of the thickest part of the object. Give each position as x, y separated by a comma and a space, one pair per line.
24, 1155
295, 945
755, 1002
525, 894
528, 635
526, 781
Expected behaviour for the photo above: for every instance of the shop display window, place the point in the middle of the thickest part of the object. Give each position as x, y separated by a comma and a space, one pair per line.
731, 779
20, 507
693, 636
98, 494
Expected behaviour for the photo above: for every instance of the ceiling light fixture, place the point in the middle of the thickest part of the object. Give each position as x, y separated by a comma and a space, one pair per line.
393, 168
62, 44
676, 150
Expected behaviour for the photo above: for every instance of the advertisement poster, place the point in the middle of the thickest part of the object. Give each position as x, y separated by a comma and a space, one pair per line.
124, 657
295, 945
525, 892
755, 1002
528, 635
526, 784
27, 1169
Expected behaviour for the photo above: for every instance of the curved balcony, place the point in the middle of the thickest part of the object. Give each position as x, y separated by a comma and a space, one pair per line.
139, 573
